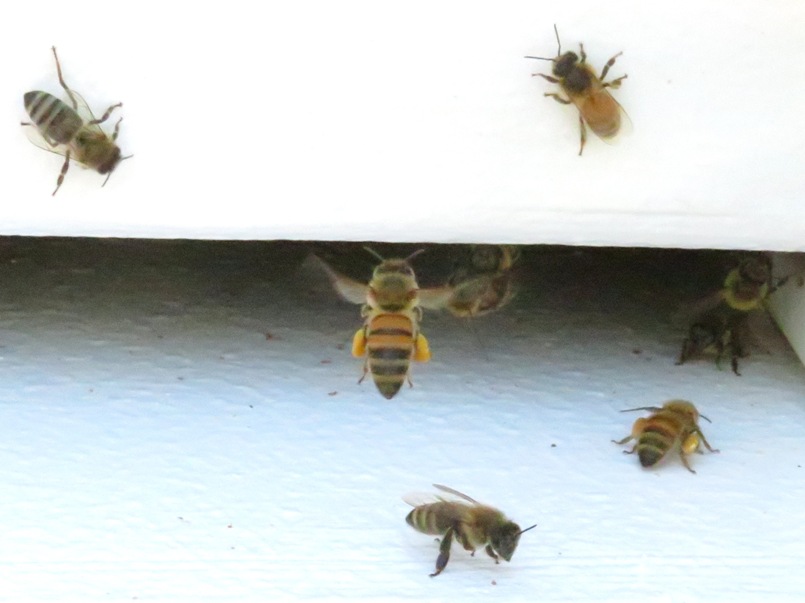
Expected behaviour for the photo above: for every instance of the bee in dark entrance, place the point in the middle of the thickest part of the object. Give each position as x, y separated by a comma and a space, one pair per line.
72, 130
471, 523
484, 282
721, 322
587, 91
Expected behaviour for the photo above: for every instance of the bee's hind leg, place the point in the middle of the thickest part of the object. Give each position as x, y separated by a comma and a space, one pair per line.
63, 172
63, 84
444, 552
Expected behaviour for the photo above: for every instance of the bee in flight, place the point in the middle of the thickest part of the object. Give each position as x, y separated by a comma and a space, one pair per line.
588, 92
392, 310
484, 282
721, 323
458, 516
675, 426
60, 128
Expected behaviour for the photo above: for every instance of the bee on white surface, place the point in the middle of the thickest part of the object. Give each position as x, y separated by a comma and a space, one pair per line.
72, 130
451, 514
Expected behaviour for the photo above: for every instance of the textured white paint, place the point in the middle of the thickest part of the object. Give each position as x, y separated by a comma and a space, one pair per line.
420, 122
181, 421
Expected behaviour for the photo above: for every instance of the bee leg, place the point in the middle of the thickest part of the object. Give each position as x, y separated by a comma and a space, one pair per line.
421, 348
444, 552
491, 552
583, 130
616, 83
359, 343
605, 70
734, 364
105, 116
623, 441
64, 168
551, 79
582, 54
706, 443
61, 80
558, 98
684, 458
117, 129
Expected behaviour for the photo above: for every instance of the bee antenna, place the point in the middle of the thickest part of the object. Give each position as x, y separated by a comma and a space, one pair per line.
705, 418
651, 408
109, 175
374, 253
556, 31
526, 530
538, 58
413, 255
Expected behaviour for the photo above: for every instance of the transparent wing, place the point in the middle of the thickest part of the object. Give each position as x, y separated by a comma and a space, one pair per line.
417, 499
36, 138
85, 112
596, 107
460, 495
435, 298
348, 289
448, 495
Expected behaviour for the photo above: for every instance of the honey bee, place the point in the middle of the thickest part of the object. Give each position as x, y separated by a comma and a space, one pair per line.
474, 525
597, 108
58, 128
484, 283
721, 323
719, 329
391, 307
674, 426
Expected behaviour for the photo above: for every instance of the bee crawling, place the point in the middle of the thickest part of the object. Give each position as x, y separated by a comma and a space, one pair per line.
587, 91
721, 324
471, 523
673, 427
62, 129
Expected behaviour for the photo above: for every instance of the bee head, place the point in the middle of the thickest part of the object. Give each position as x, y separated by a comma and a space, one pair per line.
564, 64
755, 271
505, 539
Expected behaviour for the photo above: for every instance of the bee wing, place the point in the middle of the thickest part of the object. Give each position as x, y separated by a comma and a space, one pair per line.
435, 298
417, 499
36, 138
348, 289
456, 493
85, 112
481, 295
596, 109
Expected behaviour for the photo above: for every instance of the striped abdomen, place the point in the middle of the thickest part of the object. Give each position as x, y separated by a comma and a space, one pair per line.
662, 432
390, 340
435, 518
56, 121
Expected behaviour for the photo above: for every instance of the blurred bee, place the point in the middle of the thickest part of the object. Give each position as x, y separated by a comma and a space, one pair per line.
721, 321
474, 525
58, 128
485, 282
390, 337
721, 329
597, 108
673, 427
